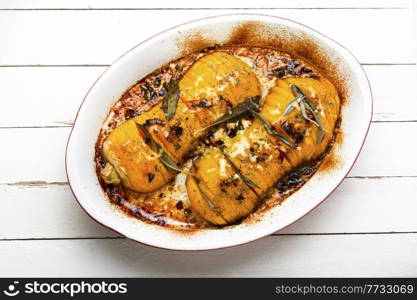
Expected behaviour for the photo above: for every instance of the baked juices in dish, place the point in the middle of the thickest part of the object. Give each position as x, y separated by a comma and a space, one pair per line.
216, 137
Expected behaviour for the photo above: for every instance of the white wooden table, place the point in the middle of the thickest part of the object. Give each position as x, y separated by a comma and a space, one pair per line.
52, 51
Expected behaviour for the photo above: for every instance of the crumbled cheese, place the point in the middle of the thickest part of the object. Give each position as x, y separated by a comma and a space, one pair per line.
219, 134
246, 123
222, 163
252, 158
240, 147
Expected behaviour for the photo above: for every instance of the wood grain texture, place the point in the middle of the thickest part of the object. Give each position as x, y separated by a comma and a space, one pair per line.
273, 256
68, 85
99, 37
129, 4
357, 206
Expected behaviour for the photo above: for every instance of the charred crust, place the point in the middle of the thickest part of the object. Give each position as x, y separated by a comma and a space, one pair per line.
208, 139
232, 132
154, 121
176, 130
131, 113
227, 183
204, 103
293, 68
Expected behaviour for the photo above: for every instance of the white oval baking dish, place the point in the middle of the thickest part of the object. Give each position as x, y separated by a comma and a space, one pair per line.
168, 45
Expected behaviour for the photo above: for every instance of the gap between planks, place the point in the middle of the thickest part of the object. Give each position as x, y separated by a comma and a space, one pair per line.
274, 234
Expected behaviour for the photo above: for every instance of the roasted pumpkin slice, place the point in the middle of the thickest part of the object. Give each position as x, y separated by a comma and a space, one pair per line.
286, 116
216, 83
258, 156
135, 162
210, 88
224, 193
176, 136
261, 153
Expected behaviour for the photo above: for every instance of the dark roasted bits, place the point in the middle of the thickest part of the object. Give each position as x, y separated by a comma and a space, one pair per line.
151, 176
202, 104
176, 130
240, 197
179, 205
131, 113
279, 73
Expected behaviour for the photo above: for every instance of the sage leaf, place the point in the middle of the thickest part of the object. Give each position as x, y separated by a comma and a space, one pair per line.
296, 91
305, 105
239, 111
170, 100
167, 161
291, 105
271, 130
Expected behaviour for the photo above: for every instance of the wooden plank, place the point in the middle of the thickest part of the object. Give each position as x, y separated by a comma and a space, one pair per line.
68, 85
357, 206
37, 154
389, 255
34, 154
99, 37
63, 91
393, 92
389, 150
123, 4
44, 211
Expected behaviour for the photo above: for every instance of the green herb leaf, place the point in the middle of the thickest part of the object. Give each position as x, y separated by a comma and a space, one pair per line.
170, 100
244, 178
240, 111
293, 104
296, 91
167, 161
271, 130
320, 135
305, 105
249, 182
154, 145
